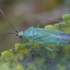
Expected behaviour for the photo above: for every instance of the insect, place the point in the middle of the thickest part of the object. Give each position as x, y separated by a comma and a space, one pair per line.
42, 37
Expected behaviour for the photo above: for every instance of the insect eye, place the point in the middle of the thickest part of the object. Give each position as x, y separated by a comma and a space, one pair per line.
20, 36
20, 30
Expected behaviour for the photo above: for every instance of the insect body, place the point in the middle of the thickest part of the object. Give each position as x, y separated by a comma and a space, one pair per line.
44, 37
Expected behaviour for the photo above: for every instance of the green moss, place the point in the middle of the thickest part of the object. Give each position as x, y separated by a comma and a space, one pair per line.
21, 59
66, 18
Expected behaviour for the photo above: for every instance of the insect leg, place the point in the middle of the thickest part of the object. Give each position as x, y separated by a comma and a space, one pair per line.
37, 24
51, 49
25, 44
30, 49
28, 45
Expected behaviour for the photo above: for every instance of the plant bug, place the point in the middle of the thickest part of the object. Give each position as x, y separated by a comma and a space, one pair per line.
42, 37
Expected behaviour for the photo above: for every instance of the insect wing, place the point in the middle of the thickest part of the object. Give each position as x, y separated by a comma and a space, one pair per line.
43, 36
65, 37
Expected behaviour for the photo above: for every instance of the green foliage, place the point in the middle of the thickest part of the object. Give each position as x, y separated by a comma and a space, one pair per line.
66, 18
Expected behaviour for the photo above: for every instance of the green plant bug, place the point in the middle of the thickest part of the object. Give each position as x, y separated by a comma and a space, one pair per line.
42, 37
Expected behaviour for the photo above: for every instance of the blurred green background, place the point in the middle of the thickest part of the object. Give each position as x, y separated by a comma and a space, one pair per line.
24, 13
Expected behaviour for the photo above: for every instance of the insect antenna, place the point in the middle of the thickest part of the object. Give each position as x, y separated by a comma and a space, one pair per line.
8, 20
7, 34
49, 19
13, 33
